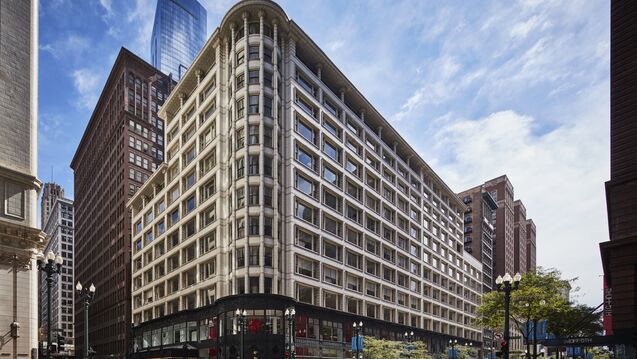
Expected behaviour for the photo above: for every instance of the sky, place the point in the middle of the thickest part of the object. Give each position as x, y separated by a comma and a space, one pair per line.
479, 89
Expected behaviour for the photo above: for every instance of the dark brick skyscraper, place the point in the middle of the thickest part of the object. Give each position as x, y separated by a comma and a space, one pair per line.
619, 255
121, 147
519, 237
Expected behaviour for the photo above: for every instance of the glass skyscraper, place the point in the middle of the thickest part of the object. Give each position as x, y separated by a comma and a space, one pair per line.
179, 32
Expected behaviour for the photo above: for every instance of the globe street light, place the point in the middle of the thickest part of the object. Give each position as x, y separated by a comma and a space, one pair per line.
86, 296
409, 337
507, 284
51, 265
453, 343
241, 318
357, 333
290, 321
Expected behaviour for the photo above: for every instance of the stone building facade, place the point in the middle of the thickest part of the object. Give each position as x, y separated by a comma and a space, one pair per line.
284, 186
20, 239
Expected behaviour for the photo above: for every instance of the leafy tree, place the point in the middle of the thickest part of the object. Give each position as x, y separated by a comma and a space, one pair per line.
538, 294
391, 349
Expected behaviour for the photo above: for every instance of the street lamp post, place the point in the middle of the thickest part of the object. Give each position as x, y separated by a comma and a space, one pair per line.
290, 321
542, 302
507, 284
241, 319
453, 343
51, 265
409, 337
86, 296
357, 333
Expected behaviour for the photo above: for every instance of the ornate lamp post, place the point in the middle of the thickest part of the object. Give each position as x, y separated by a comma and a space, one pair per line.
86, 296
241, 319
51, 265
507, 284
452, 344
409, 337
290, 321
357, 334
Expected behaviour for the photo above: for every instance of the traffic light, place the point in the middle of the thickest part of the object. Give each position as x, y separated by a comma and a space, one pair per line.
61, 341
503, 345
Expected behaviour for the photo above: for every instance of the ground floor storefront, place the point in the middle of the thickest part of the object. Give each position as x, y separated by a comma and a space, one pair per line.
215, 331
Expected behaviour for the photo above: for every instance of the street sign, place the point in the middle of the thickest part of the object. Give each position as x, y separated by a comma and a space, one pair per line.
498, 336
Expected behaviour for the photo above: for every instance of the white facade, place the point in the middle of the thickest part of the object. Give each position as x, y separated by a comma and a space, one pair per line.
277, 181
20, 238
59, 230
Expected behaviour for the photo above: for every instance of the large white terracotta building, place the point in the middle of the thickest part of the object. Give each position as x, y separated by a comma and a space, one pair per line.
283, 186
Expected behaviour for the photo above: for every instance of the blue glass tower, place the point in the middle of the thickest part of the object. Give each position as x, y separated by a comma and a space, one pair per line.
179, 32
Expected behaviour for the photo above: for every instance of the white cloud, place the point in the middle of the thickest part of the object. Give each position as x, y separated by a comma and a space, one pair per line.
559, 175
107, 5
86, 83
335, 45
72, 47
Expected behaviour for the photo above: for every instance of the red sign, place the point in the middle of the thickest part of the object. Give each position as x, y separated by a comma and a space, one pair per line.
608, 309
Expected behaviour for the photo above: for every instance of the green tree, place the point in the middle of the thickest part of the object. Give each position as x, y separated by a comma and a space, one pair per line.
538, 296
391, 349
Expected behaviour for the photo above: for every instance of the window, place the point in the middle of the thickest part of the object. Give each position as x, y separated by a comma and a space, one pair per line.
253, 195
253, 77
331, 151
331, 200
253, 226
253, 165
267, 54
267, 196
267, 226
241, 80
332, 250
354, 260
267, 78
306, 267
190, 204
306, 240
331, 107
253, 134
331, 127
331, 176
253, 52
241, 227
240, 56
240, 108
331, 275
306, 158
240, 195
332, 225
267, 166
267, 106
305, 130
306, 106
267, 137
305, 185
253, 256
241, 262
305, 212
305, 84
253, 104
240, 167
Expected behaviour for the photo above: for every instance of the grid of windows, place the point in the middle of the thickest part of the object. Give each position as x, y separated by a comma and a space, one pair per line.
365, 222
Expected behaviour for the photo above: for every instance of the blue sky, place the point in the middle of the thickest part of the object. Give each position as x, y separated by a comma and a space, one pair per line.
480, 89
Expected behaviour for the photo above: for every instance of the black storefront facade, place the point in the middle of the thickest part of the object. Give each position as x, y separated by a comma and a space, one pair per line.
212, 331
